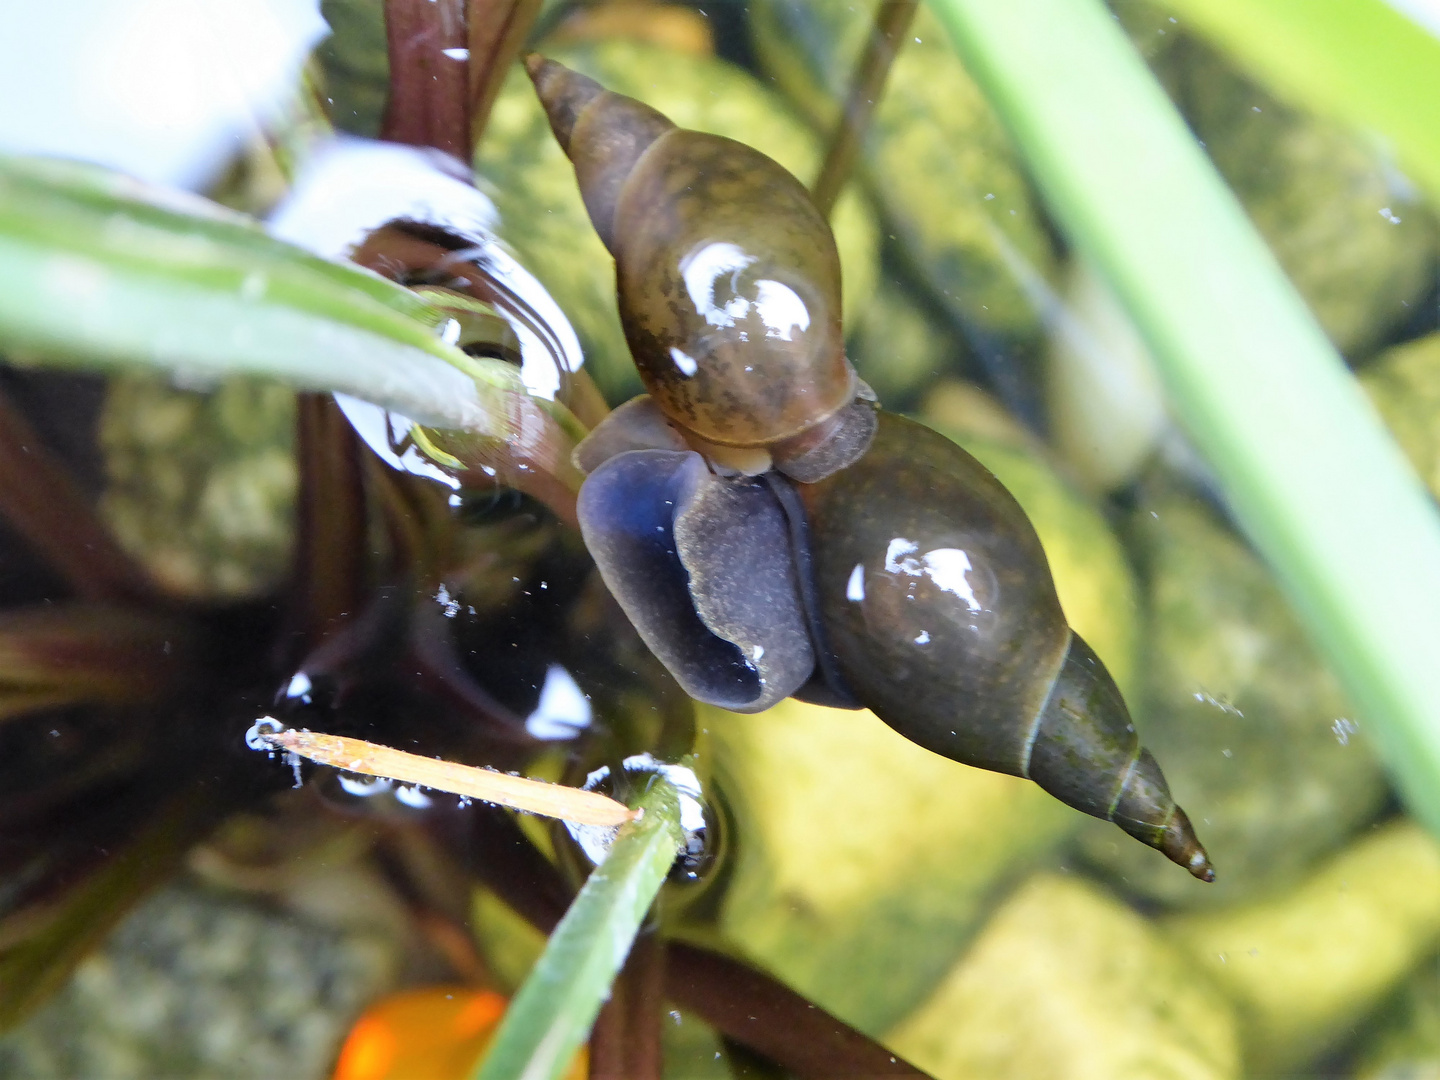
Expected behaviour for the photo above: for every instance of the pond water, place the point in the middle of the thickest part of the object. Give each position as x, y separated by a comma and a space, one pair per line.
174, 904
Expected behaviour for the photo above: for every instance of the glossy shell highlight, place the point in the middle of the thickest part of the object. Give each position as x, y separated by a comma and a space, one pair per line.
728, 280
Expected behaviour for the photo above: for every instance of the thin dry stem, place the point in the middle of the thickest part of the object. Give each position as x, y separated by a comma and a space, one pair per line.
517, 792
892, 19
429, 65
497, 30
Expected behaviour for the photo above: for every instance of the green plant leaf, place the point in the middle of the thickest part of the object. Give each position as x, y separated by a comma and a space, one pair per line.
98, 270
1358, 60
1314, 478
553, 1012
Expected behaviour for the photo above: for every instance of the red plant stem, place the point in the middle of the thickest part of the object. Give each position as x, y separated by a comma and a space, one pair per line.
625, 1042
68, 653
498, 29
330, 538
755, 1010
429, 75
46, 507
448, 61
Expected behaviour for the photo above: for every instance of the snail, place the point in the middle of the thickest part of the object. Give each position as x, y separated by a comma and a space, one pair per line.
732, 316
854, 558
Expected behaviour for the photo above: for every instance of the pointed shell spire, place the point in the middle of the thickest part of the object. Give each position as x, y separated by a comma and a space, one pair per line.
727, 276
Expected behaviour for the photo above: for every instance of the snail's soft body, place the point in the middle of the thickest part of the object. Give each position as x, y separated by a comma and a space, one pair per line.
878, 564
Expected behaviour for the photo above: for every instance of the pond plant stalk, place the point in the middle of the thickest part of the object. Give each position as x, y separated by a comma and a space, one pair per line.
887, 35
554, 1011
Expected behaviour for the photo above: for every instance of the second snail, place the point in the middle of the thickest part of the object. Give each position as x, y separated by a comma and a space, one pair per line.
770, 531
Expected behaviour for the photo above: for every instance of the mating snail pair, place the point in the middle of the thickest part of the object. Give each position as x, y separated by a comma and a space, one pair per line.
770, 531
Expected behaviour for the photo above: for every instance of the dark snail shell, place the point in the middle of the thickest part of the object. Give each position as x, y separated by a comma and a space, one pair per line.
728, 280
938, 607
890, 569
910, 583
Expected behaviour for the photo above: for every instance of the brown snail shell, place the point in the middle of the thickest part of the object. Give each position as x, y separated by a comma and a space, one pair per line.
887, 568
937, 604
727, 276
910, 582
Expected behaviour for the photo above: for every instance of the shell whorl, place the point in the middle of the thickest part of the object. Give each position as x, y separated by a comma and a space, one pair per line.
727, 276
604, 135
939, 610
1084, 750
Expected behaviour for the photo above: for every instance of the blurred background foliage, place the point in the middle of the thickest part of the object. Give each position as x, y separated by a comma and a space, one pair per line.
976, 926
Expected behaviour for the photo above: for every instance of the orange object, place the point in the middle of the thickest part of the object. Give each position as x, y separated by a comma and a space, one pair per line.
436, 1033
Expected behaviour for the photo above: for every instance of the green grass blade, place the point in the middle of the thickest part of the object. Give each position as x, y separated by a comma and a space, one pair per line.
1357, 60
1316, 481
97, 270
553, 1012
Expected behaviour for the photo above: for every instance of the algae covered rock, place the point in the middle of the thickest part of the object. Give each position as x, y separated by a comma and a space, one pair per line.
198, 982
943, 171
1066, 982
1347, 227
902, 345
1405, 1044
1304, 966
1102, 391
1404, 384
542, 217
864, 862
201, 486
354, 64
692, 1049
1256, 737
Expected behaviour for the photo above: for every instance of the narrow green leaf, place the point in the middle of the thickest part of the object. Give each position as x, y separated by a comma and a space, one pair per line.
1357, 60
553, 1012
1316, 481
98, 270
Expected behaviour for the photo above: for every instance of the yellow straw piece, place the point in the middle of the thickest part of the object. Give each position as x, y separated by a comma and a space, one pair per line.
372, 759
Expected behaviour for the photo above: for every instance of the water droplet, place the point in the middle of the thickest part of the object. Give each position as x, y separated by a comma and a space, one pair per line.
855, 587
413, 797
563, 710
258, 737
299, 688
364, 787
